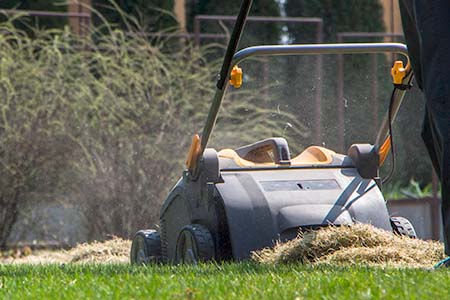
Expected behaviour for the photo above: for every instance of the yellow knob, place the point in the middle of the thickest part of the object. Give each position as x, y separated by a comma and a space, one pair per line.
236, 77
398, 72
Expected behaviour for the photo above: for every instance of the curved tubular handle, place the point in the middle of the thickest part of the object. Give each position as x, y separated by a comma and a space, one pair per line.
306, 49
314, 49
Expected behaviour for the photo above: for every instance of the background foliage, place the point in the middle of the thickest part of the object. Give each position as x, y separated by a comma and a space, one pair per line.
106, 124
23, 23
338, 16
153, 15
254, 33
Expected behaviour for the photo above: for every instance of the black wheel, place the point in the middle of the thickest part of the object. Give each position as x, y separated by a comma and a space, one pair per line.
146, 247
194, 244
403, 226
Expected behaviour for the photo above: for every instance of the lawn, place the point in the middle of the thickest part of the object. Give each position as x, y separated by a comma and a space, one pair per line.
228, 281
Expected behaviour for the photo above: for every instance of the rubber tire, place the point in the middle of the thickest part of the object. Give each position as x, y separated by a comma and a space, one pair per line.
402, 226
146, 248
194, 244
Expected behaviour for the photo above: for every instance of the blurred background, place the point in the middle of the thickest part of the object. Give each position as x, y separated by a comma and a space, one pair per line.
99, 100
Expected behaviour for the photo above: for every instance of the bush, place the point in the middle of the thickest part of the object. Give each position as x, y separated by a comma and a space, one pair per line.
105, 124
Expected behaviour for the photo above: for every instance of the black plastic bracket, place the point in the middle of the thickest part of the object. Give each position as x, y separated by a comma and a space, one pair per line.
366, 159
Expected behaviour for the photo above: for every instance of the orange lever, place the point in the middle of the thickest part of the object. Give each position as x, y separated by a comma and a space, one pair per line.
194, 152
384, 150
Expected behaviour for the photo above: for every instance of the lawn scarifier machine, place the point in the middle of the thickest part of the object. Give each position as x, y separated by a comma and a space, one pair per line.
230, 203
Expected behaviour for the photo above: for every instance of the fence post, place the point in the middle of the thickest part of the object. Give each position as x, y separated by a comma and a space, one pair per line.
79, 25
180, 13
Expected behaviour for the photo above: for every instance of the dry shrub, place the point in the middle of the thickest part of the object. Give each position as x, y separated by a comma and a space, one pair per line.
357, 244
106, 122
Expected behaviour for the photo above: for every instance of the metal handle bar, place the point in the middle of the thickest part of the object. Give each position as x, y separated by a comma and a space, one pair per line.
314, 49
306, 49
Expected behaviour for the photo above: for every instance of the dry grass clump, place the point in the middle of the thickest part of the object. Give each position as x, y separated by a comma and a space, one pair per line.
357, 244
115, 250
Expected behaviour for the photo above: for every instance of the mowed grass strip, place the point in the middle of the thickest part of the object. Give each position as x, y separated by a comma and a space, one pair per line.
228, 281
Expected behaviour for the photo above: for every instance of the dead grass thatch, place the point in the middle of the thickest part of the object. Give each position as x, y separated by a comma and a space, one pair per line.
346, 245
115, 250
357, 244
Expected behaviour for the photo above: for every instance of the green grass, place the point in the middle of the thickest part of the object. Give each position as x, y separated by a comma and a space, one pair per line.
395, 190
229, 281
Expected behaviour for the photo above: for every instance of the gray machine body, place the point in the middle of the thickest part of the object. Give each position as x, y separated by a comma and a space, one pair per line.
247, 209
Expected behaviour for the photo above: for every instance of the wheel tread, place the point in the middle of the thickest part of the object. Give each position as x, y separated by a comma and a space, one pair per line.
203, 240
152, 241
403, 226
